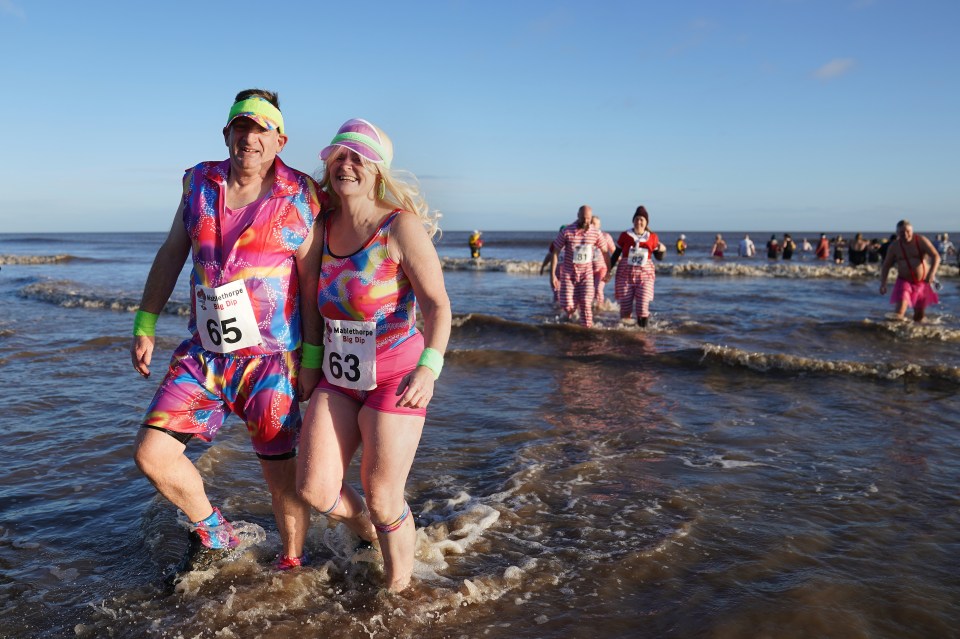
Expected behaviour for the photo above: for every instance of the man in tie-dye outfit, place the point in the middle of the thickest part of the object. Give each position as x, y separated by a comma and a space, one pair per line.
247, 221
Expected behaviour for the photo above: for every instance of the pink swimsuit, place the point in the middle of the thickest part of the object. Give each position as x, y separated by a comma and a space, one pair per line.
370, 286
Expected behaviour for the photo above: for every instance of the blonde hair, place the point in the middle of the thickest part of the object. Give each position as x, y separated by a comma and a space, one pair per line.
402, 190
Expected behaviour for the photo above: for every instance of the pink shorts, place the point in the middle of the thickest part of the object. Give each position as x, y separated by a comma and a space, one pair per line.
918, 295
392, 366
201, 388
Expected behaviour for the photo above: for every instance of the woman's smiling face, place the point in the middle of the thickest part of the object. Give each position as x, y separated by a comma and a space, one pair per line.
350, 174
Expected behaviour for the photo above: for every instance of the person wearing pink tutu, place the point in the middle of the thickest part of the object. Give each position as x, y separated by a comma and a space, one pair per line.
917, 262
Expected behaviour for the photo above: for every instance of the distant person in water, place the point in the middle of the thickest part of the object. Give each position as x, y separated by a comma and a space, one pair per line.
681, 244
719, 246
823, 247
917, 261
945, 247
857, 252
885, 246
578, 242
636, 273
839, 245
475, 242
773, 248
746, 248
555, 273
788, 247
599, 265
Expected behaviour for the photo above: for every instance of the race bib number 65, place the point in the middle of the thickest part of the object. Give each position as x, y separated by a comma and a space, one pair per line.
225, 318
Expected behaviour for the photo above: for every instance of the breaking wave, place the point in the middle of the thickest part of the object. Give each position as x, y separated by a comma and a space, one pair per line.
36, 259
785, 363
69, 294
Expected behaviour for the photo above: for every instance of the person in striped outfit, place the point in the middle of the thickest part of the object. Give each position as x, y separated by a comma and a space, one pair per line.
599, 266
578, 241
636, 274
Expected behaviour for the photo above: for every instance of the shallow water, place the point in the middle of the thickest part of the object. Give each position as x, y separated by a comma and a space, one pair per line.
771, 457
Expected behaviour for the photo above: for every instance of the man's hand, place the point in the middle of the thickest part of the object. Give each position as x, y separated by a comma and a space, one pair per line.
141, 353
307, 382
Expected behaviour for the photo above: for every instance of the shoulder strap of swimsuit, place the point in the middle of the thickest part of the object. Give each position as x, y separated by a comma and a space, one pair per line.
906, 258
325, 250
393, 214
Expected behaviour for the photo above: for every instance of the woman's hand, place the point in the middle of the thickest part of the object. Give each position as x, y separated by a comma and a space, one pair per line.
416, 388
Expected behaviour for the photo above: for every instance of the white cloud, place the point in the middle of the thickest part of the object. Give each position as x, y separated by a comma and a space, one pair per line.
835, 68
8, 7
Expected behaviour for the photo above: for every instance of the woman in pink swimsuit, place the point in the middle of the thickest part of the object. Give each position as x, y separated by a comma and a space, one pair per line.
371, 264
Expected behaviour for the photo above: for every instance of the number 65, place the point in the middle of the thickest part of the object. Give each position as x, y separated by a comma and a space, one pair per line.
222, 331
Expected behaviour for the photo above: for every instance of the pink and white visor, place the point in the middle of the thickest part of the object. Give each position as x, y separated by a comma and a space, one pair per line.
363, 138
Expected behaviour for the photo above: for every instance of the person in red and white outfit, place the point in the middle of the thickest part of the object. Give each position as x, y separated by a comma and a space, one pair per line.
578, 242
599, 265
636, 274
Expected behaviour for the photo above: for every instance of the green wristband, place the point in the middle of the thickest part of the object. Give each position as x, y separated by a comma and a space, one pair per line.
145, 324
432, 359
312, 356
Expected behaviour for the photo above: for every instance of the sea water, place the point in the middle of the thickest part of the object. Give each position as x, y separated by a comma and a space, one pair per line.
770, 457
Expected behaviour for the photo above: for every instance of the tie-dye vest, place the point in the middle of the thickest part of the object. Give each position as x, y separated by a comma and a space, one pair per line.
264, 254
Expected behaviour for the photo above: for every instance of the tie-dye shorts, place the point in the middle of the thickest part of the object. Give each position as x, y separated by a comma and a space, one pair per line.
201, 388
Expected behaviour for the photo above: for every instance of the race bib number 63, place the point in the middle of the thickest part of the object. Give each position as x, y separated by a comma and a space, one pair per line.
350, 354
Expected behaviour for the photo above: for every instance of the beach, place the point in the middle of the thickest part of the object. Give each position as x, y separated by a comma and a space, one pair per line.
771, 457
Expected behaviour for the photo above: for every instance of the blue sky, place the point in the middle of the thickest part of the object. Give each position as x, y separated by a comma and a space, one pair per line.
838, 115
